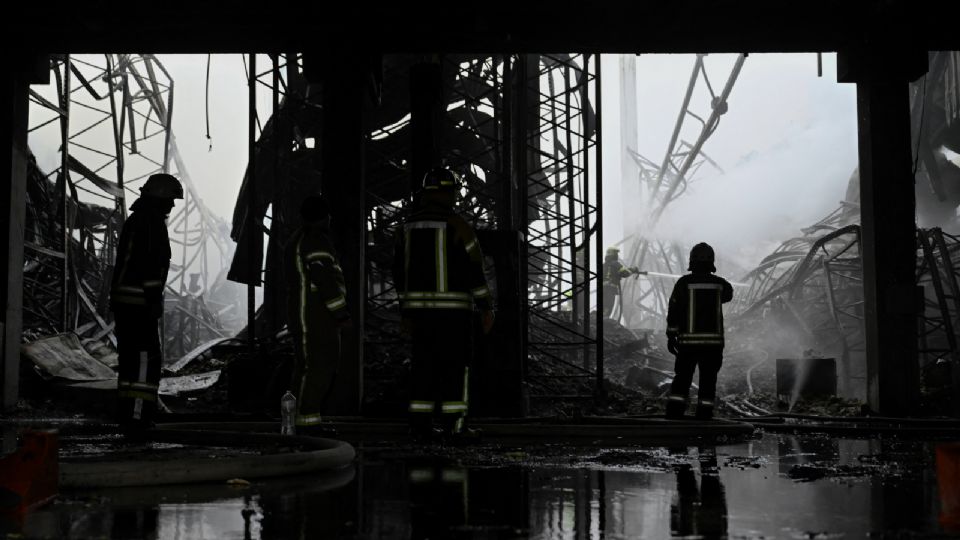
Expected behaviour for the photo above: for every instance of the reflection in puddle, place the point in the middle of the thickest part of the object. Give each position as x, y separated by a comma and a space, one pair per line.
773, 487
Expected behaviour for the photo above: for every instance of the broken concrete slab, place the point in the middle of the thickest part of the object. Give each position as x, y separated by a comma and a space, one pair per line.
169, 386
62, 356
174, 386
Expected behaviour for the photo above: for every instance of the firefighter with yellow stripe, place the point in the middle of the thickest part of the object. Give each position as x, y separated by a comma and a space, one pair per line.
317, 311
439, 277
136, 298
613, 272
695, 332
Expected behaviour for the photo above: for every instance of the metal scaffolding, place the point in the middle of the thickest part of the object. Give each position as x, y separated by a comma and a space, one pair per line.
559, 120
479, 149
524, 134
937, 274
114, 115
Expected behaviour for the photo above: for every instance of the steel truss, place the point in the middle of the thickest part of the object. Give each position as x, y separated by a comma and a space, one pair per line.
660, 184
114, 115
937, 274
816, 281
286, 171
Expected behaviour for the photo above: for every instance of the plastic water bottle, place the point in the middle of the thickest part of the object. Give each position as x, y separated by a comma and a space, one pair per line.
288, 410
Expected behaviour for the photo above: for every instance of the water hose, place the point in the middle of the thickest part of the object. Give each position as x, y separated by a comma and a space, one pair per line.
319, 454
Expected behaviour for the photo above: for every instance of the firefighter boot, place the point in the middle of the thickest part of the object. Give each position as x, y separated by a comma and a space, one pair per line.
676, 406
422, 429
464, 437
705, 410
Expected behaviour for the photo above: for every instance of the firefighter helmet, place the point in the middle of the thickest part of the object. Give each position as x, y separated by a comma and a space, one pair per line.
701, 256
613, 252
441, 178
162, 186
314, 208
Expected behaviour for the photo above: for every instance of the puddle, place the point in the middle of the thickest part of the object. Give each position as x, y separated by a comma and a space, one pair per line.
777, 486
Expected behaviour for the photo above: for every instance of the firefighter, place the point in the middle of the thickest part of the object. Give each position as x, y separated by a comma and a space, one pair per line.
613, 272
136, 298
438, 272
317, 311
695, 332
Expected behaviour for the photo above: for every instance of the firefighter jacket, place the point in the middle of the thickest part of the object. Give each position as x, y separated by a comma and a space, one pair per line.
695, 317
318, 284
143, 260
613, 272
438, 263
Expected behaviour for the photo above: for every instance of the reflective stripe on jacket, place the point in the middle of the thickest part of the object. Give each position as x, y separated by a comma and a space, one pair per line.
316, 277
613, 272
438, 263
695, 316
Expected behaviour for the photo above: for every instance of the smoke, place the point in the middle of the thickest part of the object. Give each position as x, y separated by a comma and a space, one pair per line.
218, 170
765, 198
800, 379
785, 150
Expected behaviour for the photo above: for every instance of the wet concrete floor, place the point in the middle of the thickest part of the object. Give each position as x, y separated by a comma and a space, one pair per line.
772, 486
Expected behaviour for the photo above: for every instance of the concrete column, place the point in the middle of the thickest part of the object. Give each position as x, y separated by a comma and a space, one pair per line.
888, 220
342, 181
13, 127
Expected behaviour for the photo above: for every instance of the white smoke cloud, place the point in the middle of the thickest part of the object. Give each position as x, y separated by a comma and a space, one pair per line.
787, 147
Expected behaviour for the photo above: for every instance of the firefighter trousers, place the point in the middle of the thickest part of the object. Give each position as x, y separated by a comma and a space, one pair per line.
139, 356
316, 366
709, 360
610, 294
442, 346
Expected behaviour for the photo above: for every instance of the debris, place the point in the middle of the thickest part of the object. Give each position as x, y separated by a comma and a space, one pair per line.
745, 462
193, 354
105, 353
62, 356
174, 386
763, 403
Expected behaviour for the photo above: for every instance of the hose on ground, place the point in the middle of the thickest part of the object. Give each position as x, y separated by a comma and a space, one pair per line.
318, 455
857, 426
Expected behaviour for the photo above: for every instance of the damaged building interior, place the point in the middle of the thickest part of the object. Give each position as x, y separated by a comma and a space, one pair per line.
836, 412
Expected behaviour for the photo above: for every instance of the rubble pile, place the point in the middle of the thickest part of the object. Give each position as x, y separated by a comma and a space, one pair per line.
43, 276
82, 331
634, 374
764, 403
